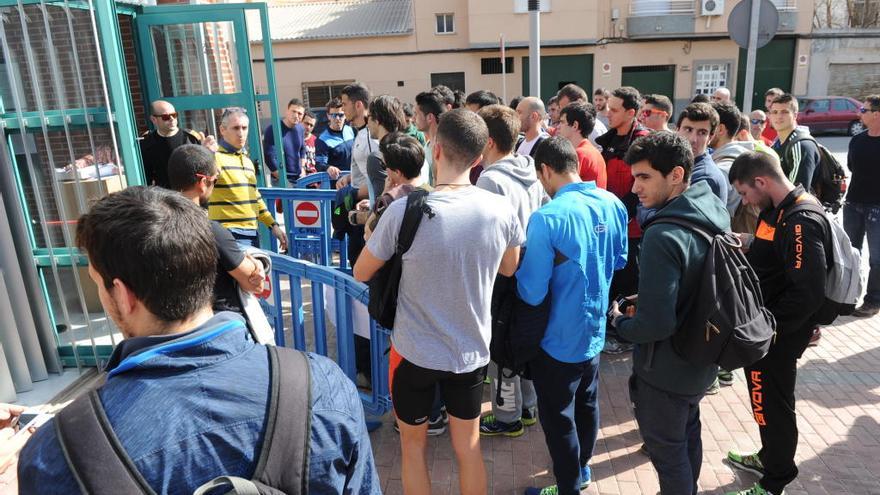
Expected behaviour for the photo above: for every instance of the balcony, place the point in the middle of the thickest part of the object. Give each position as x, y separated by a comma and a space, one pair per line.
660, 18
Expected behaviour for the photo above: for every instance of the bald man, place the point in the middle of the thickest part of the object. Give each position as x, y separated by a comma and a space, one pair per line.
757, 124
531, 118
157, 145
721, 95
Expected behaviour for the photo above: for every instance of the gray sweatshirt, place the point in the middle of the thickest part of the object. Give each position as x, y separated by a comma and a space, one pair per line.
514, 177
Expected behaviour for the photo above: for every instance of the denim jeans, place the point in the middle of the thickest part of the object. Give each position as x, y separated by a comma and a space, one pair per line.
568, 408
670, 426
859, 221
246, 237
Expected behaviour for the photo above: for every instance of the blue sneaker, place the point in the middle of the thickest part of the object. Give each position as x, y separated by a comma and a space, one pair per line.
586, 477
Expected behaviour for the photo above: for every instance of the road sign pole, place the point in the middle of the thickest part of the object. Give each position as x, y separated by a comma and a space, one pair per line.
751, 56
534, 48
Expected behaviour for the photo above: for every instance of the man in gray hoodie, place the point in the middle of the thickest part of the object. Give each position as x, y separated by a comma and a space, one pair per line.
512, 176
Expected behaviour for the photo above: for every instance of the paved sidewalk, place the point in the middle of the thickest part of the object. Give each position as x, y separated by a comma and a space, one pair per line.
838, 413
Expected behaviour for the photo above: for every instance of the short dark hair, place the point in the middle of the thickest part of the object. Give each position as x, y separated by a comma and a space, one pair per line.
602, 92
185, 162
774, 92
728, 115
552, 100
503, 125
459, 98
664, 150
388, 112
873, 102
295, 101
701, 98
403, 153
744, 122
699, 112
557, 153
173, 275
573, 92
408, 110
431, 102
514, 102
334, 103
447, 94
482, 98
660, 102
751, 164
786, 99
463, 135
630, 97
357, 92
581, 112
310, 114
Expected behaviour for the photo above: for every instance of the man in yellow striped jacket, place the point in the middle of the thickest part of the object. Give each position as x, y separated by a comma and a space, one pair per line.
236, 203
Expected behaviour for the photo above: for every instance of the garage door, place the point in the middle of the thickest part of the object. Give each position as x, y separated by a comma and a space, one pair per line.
855, 80
651, 79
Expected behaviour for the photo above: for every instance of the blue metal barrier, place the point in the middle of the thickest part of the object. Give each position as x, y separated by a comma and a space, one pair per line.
346, 291
321, 178
315, 242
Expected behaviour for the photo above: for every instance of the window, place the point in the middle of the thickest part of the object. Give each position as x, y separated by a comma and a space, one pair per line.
445, 23
819, 106
522, 6
317, 94
710, 76
661, 7
452, 80
841, 105
493, 65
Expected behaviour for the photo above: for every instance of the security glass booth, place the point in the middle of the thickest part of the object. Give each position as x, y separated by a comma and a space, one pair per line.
76, 80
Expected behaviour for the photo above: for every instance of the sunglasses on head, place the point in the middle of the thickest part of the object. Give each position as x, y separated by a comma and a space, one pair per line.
648, 112
757, 121
166, 116
337, 115
866, 110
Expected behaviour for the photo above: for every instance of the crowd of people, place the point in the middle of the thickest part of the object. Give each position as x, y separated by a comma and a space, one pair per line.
578, 204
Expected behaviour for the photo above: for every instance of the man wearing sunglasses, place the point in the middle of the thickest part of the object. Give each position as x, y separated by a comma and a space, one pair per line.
656, 112
333, 148
158, 144
758, 122
861, 213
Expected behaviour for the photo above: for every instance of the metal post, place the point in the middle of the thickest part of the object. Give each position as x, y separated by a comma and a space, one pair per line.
503, 71
535, 48
751, 55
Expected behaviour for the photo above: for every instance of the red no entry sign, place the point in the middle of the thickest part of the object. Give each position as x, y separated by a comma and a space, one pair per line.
306, 213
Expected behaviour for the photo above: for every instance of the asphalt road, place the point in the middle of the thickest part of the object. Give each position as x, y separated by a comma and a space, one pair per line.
837, 145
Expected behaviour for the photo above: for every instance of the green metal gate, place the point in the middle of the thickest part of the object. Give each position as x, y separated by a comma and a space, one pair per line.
774, 68
559, 70
650, 79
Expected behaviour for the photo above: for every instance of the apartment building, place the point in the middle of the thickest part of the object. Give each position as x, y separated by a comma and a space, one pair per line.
674, 47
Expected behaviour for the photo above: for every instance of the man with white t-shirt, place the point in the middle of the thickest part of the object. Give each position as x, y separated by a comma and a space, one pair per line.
531, 118
443, 325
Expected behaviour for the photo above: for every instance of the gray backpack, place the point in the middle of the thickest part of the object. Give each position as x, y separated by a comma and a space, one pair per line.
101, 466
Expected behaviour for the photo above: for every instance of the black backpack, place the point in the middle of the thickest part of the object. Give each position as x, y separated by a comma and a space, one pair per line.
101, 466
385, 283
727, 323
829, 180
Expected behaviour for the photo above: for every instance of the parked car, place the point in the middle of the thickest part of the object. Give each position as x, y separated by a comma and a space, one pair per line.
830, 113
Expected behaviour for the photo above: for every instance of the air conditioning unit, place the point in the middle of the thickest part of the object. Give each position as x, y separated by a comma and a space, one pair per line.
711, 7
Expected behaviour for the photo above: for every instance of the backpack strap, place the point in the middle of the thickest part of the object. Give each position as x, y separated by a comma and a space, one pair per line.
693, 226
535, 146
416, 206
810, 206
284, 457
95, 456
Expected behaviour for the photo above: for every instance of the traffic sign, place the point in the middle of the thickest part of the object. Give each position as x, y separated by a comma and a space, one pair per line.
306, 214
739, 22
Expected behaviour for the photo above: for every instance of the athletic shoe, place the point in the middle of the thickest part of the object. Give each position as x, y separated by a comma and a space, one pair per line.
529, 416
491, 427
814, 339
554, 490
757, 489
725, 377
436, 426
613, 346
714, 388
866, 310
748, 462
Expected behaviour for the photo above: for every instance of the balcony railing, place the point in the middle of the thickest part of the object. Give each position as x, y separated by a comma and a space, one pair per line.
785, 5
662, 7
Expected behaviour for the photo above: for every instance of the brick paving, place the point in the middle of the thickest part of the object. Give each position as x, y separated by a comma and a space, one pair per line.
838, 406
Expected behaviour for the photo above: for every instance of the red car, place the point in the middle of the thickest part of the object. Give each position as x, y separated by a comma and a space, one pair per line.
830, 113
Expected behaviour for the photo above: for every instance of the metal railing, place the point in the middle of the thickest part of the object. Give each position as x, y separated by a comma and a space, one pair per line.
785, 5
291, 320
661, 7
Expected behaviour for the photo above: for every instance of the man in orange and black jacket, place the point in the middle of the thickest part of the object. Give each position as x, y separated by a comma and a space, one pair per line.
789, 256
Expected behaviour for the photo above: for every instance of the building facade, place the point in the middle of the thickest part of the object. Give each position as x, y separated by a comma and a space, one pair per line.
675, 47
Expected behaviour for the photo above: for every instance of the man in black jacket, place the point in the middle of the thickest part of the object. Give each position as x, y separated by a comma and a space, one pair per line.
789, 257
797, 151
157, 145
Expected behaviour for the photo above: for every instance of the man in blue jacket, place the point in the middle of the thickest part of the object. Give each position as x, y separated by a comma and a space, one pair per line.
587, 228
665, 389
292, 140
187, 390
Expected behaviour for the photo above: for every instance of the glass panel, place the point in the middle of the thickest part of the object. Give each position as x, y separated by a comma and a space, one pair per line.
196, 59
440, 24
840, 105
819, 106
29, 50
81, 327
450, 24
